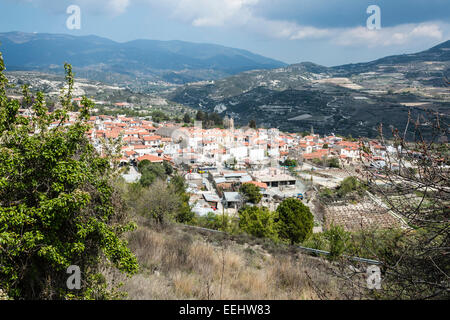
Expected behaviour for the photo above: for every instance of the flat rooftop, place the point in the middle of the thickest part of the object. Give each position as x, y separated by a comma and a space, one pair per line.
275, 178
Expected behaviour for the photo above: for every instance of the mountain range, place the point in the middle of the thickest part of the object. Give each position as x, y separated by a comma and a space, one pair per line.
101, 59
350, 99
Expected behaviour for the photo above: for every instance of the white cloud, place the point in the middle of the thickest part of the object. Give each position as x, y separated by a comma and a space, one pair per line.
119, 6
210, 13
428, 30
242, 15
113, 7
237, 14
207, 13
398, 35
284, 29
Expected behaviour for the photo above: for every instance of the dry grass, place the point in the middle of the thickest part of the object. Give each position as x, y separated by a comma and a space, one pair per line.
178, 264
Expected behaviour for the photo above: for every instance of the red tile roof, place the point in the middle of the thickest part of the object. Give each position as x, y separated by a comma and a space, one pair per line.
151, 158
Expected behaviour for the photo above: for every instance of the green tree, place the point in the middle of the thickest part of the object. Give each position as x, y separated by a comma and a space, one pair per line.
215, 119
294, 221
305, 133
159, 116
187, 118
252, 124
161, 202
258, 222
316, 241
57, 205
214, 221
177, 119
158, 202
349, 185
326, 195
150, 172
290, 163
333, 163
178, 185
337, 239
200, 116
251, 193
168, 168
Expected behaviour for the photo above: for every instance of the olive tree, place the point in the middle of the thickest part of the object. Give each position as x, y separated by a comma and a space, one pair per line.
57, 204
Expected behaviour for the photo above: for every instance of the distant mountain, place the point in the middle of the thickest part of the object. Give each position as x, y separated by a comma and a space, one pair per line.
349, 99
143, 60
439, 53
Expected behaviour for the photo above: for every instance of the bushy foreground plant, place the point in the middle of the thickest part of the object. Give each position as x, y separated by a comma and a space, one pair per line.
57, 205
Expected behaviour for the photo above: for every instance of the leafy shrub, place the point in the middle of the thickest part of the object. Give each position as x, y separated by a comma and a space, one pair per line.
258, 222
337, 241
57, 205
151, 172
349, 185
294, 221
216, 222
251, 193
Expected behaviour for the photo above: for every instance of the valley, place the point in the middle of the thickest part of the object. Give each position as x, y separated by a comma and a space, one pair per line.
346, 100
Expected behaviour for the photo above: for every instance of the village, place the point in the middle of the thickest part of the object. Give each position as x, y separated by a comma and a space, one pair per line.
217, 162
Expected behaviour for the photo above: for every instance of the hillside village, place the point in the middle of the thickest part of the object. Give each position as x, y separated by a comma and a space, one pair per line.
217, 162
226, 157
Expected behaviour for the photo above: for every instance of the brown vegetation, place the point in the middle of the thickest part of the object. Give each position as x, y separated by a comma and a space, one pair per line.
182, 264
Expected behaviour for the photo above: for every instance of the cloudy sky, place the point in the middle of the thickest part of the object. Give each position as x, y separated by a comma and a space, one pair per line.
327, 32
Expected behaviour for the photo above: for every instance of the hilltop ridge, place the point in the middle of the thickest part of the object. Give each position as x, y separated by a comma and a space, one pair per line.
349, 99
106, 60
